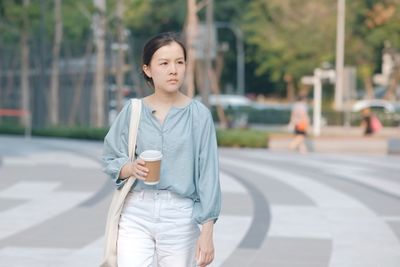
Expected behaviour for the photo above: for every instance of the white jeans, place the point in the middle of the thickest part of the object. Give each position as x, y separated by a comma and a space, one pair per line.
157, 224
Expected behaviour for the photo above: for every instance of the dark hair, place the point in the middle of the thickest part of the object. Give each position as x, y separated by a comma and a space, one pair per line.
154, 44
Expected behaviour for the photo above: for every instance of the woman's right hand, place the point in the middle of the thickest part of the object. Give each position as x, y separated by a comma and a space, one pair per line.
135, 169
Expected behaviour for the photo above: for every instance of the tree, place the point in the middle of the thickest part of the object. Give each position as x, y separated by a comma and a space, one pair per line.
290, 37
99, 22
149, 17
373, 23
191, 29
55, 72
77, 19
120, 64
25, 99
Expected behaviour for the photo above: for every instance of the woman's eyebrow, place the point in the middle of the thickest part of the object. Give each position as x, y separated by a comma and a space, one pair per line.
161, 59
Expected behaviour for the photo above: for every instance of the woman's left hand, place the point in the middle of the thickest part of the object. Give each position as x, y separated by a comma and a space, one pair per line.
205, 245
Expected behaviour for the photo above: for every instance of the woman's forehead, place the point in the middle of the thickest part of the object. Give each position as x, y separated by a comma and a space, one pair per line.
171, 50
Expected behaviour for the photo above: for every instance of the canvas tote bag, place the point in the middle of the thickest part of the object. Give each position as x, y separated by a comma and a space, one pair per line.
118, 198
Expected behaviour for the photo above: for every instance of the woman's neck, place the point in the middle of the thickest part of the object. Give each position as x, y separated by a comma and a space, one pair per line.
167, 100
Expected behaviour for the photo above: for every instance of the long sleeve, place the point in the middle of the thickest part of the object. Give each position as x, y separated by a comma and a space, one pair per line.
208, 188
115, 149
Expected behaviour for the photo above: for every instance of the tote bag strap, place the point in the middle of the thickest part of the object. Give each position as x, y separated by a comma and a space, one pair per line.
136, 109
117, 201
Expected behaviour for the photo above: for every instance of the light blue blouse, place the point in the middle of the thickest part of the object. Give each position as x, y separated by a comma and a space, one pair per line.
187, 140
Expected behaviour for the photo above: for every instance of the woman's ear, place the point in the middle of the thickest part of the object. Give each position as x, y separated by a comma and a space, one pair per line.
146, 70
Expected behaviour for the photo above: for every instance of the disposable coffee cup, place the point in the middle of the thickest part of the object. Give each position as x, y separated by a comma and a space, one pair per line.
152, 159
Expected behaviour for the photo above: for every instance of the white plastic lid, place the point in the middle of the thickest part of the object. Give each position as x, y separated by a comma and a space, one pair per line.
151, 155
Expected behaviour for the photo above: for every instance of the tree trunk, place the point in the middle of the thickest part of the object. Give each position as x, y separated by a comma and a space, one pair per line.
199, 70
391, 89
119, 68
99, 23
2, 99
134, 73
10, 80
290, 88
205, 91
219, 65
215, 76
55, 71
25, 99
369, 87
192, 22
79, 85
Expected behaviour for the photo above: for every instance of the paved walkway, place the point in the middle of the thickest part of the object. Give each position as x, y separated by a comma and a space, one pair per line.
280, 209
344, 141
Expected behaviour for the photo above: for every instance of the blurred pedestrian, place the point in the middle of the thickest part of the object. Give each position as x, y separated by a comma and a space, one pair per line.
299, 122
370, 122
162, 221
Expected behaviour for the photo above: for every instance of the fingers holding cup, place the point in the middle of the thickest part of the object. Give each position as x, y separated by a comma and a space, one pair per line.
139, 169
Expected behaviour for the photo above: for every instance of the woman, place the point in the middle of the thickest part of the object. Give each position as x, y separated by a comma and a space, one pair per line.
300, 121
161, 221
366, 122
370, 122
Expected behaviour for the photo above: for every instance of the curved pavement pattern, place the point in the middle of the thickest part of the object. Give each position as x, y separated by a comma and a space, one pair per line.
279, 209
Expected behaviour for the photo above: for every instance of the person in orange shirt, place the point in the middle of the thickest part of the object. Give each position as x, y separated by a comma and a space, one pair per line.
299, 121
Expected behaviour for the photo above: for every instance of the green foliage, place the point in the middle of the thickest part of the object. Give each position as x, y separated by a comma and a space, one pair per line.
75, 132
148, 17
269, 116
231, 10
281, 36
62, 132
295, 37
370, 25
242, 138
75, 19
12, 16
232, 138
290, 37
8, 128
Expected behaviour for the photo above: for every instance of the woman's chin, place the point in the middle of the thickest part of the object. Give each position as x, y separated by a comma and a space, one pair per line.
172, 88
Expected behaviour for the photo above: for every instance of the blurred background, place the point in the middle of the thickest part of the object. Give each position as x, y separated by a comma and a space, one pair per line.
72, 64
67, 67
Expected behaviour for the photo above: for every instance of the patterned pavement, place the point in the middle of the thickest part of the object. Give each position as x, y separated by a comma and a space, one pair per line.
280, 209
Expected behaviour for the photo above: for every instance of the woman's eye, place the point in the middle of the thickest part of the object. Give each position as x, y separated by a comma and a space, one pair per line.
163, 63
181, 62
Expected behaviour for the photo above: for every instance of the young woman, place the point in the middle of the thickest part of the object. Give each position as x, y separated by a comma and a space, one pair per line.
161, 221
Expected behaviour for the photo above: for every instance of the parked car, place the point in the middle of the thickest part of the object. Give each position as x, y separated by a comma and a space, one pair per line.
226, 101
387, 106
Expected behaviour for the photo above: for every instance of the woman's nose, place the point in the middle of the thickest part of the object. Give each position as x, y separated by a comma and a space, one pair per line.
172, 68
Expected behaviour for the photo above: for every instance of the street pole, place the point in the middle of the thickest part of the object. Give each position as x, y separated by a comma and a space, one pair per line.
340, 31
319, 74
317, 103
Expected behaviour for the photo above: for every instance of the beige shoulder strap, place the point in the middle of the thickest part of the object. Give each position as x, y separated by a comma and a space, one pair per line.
136, 109
117, 201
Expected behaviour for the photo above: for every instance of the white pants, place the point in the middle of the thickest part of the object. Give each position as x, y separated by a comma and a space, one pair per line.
157, 224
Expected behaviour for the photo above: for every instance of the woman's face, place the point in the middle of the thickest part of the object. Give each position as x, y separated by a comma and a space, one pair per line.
167, 68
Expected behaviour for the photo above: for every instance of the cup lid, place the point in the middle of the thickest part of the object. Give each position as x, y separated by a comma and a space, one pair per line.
151, 155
